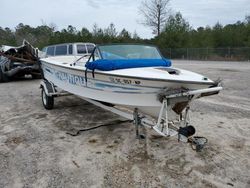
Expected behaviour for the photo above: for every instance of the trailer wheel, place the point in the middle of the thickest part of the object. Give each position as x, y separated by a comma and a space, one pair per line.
48, 101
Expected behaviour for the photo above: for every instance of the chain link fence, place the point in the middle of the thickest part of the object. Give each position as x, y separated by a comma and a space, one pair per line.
216, 54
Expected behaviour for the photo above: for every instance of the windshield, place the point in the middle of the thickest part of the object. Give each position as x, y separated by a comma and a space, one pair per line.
129, 52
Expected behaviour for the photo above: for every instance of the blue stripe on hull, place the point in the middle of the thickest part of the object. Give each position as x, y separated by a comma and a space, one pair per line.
96, 84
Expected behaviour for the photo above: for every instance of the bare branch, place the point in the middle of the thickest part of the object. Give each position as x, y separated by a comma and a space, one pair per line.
155, 13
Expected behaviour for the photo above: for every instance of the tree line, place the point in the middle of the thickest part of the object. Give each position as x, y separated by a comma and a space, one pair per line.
176, 33
44, 35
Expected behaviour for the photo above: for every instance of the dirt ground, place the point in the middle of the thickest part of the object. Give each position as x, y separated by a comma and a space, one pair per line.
35, 150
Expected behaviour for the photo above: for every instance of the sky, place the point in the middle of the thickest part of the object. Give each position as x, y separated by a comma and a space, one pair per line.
123, 13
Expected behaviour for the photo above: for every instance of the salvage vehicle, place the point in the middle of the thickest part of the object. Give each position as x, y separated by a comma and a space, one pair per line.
16, 62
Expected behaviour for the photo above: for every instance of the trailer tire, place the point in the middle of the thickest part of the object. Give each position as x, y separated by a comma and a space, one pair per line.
48, 101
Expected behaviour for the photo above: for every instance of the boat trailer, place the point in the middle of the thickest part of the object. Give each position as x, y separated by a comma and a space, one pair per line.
163, 126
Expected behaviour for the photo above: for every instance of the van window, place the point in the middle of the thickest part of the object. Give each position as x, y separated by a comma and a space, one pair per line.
61, 50
44, 49
50, 50
70, 49
81, 49
90, 48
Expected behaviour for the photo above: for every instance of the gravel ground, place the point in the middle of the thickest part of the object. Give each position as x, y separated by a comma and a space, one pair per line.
35, 150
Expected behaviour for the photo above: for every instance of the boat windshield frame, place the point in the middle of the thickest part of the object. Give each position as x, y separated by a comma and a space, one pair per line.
98, 51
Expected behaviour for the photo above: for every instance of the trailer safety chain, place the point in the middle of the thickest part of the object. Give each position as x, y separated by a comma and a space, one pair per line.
197, 143
95, 127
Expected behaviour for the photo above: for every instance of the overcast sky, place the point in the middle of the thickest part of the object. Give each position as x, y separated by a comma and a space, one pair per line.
123, 13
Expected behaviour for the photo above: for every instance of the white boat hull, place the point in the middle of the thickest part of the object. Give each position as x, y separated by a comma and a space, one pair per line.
137, 93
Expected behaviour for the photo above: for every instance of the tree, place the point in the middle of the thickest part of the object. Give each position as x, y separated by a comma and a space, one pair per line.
218, 35
110, 31
7, 37
176, 32
135, 36
247, 19
85, 34
201, 38
97, 32
71, 29
155, 13
124, 33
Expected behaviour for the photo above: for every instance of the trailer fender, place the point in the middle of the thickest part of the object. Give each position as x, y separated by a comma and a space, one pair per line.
48, 87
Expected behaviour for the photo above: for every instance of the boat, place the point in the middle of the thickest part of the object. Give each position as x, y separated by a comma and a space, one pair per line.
134, 76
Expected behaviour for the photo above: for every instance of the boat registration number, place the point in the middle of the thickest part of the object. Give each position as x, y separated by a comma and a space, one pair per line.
124, 81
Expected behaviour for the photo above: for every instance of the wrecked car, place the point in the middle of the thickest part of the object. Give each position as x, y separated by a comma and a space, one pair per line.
16, 62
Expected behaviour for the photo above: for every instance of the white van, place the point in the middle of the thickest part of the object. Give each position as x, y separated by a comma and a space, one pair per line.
75, 49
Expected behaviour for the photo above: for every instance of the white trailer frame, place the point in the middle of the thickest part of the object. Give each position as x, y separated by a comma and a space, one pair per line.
162, 126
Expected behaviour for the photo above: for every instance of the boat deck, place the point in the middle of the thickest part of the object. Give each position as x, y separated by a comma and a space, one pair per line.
156, 73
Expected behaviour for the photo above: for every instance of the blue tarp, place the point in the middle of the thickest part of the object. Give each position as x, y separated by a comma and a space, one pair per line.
114, 64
